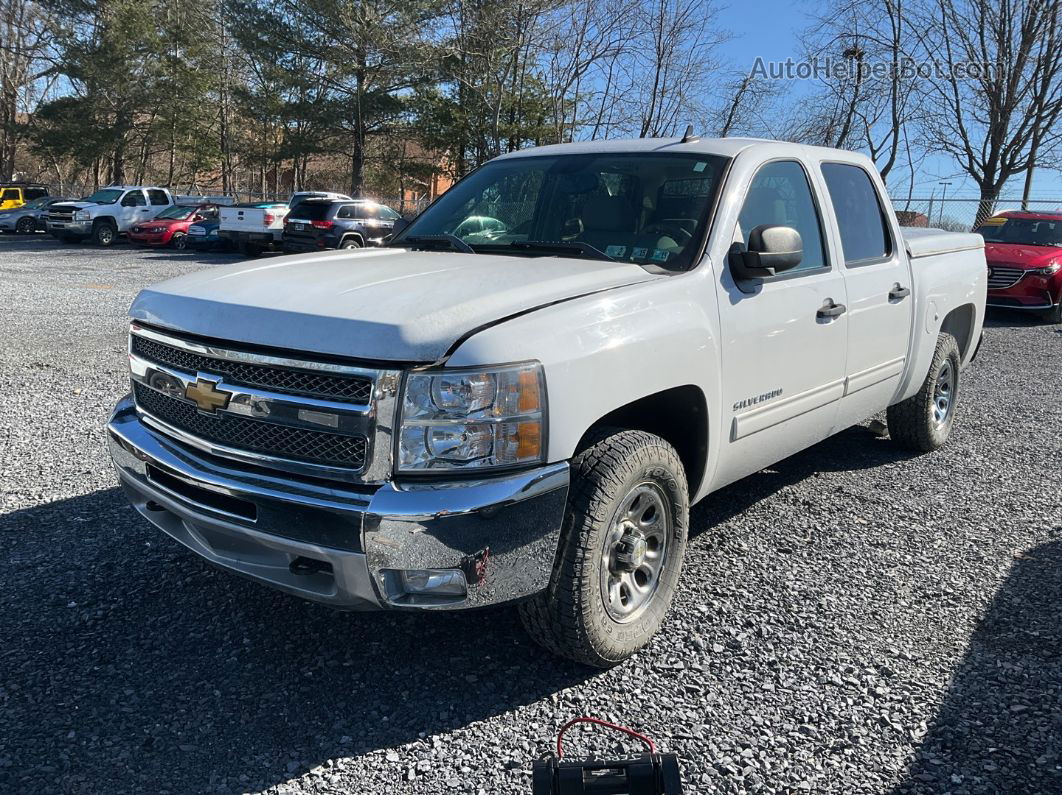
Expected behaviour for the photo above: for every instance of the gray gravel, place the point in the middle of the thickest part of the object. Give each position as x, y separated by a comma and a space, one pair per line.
852, 620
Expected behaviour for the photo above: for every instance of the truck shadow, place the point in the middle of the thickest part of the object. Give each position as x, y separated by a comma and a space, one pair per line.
852, 449
996, 317
1000, 726
124, 652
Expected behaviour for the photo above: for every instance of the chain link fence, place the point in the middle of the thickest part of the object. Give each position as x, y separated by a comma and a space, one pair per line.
958, 214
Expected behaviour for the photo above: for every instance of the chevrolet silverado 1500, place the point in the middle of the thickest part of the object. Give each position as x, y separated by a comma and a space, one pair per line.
107, 214
523, 409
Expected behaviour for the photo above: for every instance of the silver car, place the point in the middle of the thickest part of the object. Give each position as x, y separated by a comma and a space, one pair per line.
28, 218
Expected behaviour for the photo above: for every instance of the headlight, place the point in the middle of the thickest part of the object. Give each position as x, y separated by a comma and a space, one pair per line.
472, 419
156, 229
1048, 270
82, 215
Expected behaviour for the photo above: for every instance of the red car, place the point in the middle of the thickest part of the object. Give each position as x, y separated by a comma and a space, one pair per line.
1024, 253
170, 227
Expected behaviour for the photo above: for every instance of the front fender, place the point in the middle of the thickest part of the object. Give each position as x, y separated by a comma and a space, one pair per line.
606, 350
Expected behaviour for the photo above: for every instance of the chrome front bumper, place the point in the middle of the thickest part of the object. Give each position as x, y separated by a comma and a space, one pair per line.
346, 545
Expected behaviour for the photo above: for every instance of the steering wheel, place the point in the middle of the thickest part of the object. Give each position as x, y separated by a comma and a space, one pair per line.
671, 229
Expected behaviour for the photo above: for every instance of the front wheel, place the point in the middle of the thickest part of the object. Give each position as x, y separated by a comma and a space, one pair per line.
26, 225
104, 233
621, 551
923, 422
1054, 315
179, 241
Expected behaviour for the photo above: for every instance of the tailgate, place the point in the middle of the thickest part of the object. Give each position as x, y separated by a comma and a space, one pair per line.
251, 219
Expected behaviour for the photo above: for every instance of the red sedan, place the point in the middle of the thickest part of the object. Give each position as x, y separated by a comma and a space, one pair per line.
170, 227
1024, 253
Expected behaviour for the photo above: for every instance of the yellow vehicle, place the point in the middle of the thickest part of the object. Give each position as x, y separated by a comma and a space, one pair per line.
14, 194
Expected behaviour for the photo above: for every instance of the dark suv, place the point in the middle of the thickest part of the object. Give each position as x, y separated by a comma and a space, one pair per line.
316, 224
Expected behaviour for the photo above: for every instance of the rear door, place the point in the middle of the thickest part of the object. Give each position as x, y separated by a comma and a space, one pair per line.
878, 280
784, 337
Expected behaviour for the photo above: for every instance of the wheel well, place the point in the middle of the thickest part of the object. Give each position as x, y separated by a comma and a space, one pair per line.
358, 235
678, 415
959, 323
105, 219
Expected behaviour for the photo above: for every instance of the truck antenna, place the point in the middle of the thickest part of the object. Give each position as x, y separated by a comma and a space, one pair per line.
688, 135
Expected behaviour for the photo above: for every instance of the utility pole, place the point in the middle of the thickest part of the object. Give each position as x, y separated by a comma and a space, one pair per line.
943, 198
1029, 171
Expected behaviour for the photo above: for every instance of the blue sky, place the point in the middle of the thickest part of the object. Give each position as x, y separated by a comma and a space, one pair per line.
771, 30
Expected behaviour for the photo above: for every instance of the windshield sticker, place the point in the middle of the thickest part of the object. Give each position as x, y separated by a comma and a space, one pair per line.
701, 165
639, 253
616, 251
660, 255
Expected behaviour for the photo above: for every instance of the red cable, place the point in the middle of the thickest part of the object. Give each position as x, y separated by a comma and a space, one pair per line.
606, 724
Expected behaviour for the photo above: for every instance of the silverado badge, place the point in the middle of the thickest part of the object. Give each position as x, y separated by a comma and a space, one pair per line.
206, 396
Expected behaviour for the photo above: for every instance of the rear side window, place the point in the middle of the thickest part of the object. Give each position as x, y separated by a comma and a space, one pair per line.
35, 193
158, 197
860, 219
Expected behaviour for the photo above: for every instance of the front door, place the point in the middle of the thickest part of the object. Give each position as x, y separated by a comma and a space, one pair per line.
784, 338
133, 209
878, 279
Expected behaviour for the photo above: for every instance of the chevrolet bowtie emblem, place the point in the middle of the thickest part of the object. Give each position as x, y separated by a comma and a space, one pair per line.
206, 395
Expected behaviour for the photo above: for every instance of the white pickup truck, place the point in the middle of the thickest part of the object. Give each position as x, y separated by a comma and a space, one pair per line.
523, 409
107, 213
259, 226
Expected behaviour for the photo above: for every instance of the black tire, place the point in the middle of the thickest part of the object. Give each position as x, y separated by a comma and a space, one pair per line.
26, 225
350, 242
570, 618
179, 241
924, 421
104, 233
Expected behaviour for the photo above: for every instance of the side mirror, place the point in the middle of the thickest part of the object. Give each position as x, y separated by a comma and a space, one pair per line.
771, 249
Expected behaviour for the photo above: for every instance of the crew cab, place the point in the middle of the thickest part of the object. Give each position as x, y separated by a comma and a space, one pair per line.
170, 227
15, 194
257, 227
107, 214
316, 224
522, 410
1024, 254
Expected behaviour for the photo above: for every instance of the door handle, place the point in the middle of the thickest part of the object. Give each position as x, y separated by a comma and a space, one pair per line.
898, 293
830, 310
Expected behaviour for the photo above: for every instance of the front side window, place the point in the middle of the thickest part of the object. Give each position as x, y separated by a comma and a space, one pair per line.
860, 219
35, 193
134, 198
647, 208
158, 196
9, 195
780, 195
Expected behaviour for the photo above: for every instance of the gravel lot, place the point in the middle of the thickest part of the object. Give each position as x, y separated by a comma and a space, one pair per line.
853, 620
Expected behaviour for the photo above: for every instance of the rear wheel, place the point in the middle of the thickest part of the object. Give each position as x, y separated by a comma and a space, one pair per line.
249, 249
104, 233
923, 422
621, 551
26, 225
350, 242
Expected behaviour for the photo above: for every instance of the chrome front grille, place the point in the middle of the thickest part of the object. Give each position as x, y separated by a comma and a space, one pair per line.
326, 386
1000, 276
298, 415
298, 444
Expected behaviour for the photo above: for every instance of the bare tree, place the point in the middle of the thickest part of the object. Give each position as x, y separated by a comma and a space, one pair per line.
996, 91
24, 38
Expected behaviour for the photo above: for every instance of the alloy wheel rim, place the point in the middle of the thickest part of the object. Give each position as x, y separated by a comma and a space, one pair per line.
634, 555
943, 393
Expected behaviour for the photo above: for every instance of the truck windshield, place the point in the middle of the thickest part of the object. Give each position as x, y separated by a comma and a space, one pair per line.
105, 196
629, 207
1022, 231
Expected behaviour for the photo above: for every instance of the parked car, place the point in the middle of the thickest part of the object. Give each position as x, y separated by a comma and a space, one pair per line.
15, 194
450, 422
170, 227
107, 213
203, 236
316, 224
28, 218
1024, 253
254, 228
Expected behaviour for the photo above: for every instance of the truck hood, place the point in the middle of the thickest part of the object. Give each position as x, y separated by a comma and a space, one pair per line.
1021, 256
72, 205
386, 304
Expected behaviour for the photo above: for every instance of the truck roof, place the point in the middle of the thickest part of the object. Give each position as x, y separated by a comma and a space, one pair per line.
135, 187
726, 147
